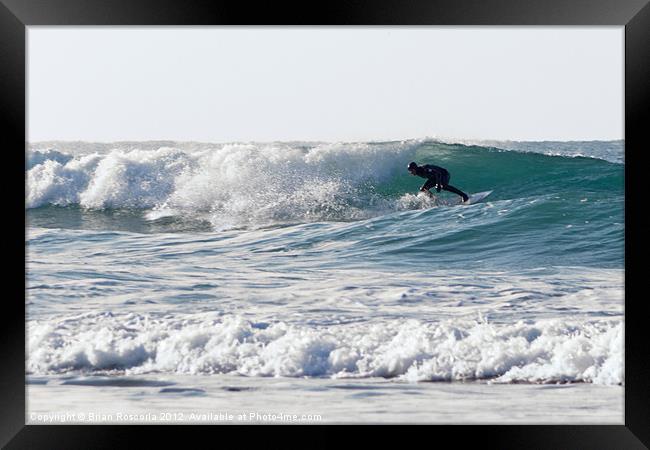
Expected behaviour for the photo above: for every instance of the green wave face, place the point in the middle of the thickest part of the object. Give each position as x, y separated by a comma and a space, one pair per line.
544, 210
513, 174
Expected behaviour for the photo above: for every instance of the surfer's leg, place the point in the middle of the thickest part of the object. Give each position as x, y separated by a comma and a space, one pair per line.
450, 188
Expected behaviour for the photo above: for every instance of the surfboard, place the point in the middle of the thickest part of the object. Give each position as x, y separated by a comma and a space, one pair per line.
475, 198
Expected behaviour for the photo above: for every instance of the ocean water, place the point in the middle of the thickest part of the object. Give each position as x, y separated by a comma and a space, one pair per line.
309, 276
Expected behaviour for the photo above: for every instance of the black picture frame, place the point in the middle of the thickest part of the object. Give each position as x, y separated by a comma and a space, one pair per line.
16, 15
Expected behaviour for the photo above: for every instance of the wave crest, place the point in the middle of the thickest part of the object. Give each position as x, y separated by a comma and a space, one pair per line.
234, 184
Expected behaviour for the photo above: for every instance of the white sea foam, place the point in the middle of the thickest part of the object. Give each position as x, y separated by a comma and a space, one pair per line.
545, 351
36, 157
244, 183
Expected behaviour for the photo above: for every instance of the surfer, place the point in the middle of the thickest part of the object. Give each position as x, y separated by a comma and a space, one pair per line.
436, 176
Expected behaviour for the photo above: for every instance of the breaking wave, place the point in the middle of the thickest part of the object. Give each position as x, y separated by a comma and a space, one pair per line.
544, 351
250, 184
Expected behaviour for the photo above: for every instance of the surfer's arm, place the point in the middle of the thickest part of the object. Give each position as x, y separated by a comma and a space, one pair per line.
436, 181
431, 182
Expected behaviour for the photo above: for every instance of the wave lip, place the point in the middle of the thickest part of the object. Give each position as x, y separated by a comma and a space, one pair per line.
611, 151
546, 351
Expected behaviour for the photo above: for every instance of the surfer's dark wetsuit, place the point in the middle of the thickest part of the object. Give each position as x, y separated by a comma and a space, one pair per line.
436, 176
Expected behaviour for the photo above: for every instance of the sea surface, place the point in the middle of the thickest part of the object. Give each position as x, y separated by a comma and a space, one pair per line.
311, 278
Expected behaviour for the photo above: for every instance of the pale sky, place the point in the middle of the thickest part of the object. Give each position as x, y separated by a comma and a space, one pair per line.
225, 84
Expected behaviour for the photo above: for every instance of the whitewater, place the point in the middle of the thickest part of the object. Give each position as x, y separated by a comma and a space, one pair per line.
310, 276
